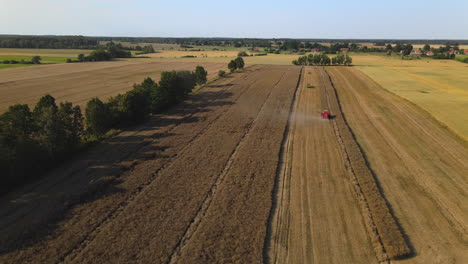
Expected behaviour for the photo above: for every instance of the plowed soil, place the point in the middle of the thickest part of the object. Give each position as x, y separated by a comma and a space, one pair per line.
186, 187
79, 82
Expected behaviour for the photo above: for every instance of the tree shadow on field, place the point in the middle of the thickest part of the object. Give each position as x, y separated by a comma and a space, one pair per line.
36, 212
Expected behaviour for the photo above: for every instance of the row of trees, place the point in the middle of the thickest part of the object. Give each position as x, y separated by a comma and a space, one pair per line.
235, 64
322, 59
34, 141
81, 42
34, 60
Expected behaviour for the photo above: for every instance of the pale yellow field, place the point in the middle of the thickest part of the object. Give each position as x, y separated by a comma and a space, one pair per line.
221, 56
438, 86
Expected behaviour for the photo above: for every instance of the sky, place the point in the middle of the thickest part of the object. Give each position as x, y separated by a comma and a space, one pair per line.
396, 19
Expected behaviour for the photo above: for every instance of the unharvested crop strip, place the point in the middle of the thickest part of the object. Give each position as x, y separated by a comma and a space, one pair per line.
386, 236
114, 213
206, 203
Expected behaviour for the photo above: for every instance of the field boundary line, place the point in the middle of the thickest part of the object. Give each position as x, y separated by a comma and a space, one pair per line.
196, 221
280, 194
115, 213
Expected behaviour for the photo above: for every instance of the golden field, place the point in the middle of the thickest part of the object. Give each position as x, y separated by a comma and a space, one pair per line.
438, 86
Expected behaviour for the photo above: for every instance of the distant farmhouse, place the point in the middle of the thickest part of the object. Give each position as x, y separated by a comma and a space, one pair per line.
429, 53
415, 53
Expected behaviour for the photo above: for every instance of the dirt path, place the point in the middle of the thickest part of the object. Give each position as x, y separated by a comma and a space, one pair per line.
318, 219
132, 199
421, 166
79, 82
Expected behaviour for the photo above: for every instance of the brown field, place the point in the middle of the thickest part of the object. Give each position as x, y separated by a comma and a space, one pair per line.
79, 82
137, 197
244, 171
320, 219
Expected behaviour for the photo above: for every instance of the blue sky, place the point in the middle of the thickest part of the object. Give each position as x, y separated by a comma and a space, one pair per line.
397, 19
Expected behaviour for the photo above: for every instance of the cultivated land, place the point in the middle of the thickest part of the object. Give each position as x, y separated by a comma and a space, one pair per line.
438, 86
318, 218
421, 167
194, 185
164, 191
79, 82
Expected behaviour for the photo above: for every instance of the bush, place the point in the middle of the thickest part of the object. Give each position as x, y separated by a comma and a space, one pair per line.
221, 73
242, 54
36, 59
69, 61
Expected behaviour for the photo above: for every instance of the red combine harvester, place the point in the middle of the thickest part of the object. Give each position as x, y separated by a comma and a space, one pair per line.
325, 114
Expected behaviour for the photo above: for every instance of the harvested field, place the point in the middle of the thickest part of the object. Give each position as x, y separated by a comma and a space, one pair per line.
420, 165
317, 217
150, 195
79, 82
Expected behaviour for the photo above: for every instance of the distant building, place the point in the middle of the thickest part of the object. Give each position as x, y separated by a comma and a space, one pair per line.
465, 52
415, 53
454, 52
429, 53
255, 49
344, 49
315, 50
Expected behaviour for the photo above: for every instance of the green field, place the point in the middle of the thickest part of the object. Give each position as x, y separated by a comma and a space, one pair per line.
45, 59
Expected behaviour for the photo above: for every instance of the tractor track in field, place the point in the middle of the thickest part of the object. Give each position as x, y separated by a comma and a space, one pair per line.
112, 215
192, 228
280, 195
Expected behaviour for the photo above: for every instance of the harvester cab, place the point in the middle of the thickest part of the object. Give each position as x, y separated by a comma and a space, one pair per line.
325, 114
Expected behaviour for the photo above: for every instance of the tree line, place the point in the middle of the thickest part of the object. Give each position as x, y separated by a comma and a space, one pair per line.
83, 42
33, 141
323, 59
34, 60
104, 53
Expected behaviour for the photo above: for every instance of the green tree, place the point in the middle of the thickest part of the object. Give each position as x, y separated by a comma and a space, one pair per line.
232, 66
72, 122
221, 73
81, 57
200, 75
240, 63
427, 47
97, 117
